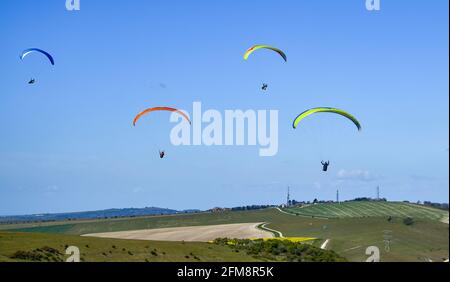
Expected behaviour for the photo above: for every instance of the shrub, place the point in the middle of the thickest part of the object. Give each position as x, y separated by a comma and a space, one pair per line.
281, 250
45, 254
408, 221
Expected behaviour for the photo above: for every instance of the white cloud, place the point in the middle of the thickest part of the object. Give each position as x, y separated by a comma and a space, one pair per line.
356, 174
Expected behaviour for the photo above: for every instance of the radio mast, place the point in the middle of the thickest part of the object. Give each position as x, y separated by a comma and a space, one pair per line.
288, 203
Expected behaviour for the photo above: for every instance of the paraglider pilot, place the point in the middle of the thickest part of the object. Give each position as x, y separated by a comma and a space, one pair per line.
32, 81
162, 154
264, 87
325, 165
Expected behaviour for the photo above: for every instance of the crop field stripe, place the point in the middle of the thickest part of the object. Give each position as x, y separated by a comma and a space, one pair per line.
346, 210
402, 210
293, 212
373, 210
300, 213
421, 211
431, 214
320, 210
434, 213
430, 209
406, 210
352, 209
382, 211
315, 211
306, 213
349, 211
287, 211
385, 211
328, 208
362, 210
341, 211
368, 209
395, 212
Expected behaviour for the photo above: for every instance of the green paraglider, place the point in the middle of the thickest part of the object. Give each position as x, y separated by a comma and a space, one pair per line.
326, 110
257, 47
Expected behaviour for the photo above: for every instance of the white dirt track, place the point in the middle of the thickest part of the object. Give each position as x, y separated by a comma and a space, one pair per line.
191, 234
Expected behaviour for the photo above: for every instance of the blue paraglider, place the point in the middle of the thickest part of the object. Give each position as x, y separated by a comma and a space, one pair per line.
33, 50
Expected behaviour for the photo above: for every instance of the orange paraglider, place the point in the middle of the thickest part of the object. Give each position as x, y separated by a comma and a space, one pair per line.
160, 109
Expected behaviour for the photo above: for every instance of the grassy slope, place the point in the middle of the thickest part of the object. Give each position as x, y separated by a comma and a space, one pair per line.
349, 236
370, 209
149, 222
101, 250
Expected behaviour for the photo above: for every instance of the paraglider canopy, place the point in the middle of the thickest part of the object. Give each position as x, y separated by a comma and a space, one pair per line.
326, 110
36, 50
160, 109
257, 47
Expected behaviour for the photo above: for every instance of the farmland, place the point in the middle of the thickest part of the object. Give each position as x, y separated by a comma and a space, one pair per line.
426, 238
369, 209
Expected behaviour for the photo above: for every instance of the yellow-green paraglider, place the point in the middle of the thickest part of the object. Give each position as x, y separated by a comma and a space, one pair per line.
326, 110
257, 47
305, 114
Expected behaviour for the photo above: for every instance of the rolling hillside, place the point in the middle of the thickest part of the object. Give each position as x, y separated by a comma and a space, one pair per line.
111, 250
369, 209
349, 236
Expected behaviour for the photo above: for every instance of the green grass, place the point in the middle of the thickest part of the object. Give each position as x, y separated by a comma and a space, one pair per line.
426, 239
351, 236
112, 250
125, 224
369, 209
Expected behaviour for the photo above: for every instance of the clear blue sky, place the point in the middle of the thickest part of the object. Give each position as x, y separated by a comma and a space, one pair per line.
67, 143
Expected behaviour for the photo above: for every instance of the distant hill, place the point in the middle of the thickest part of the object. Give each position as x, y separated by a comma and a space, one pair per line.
110, 213
369, 209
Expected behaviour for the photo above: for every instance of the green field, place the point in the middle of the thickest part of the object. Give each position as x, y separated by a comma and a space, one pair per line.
125, 224
426, 239
111, 250
369, 209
